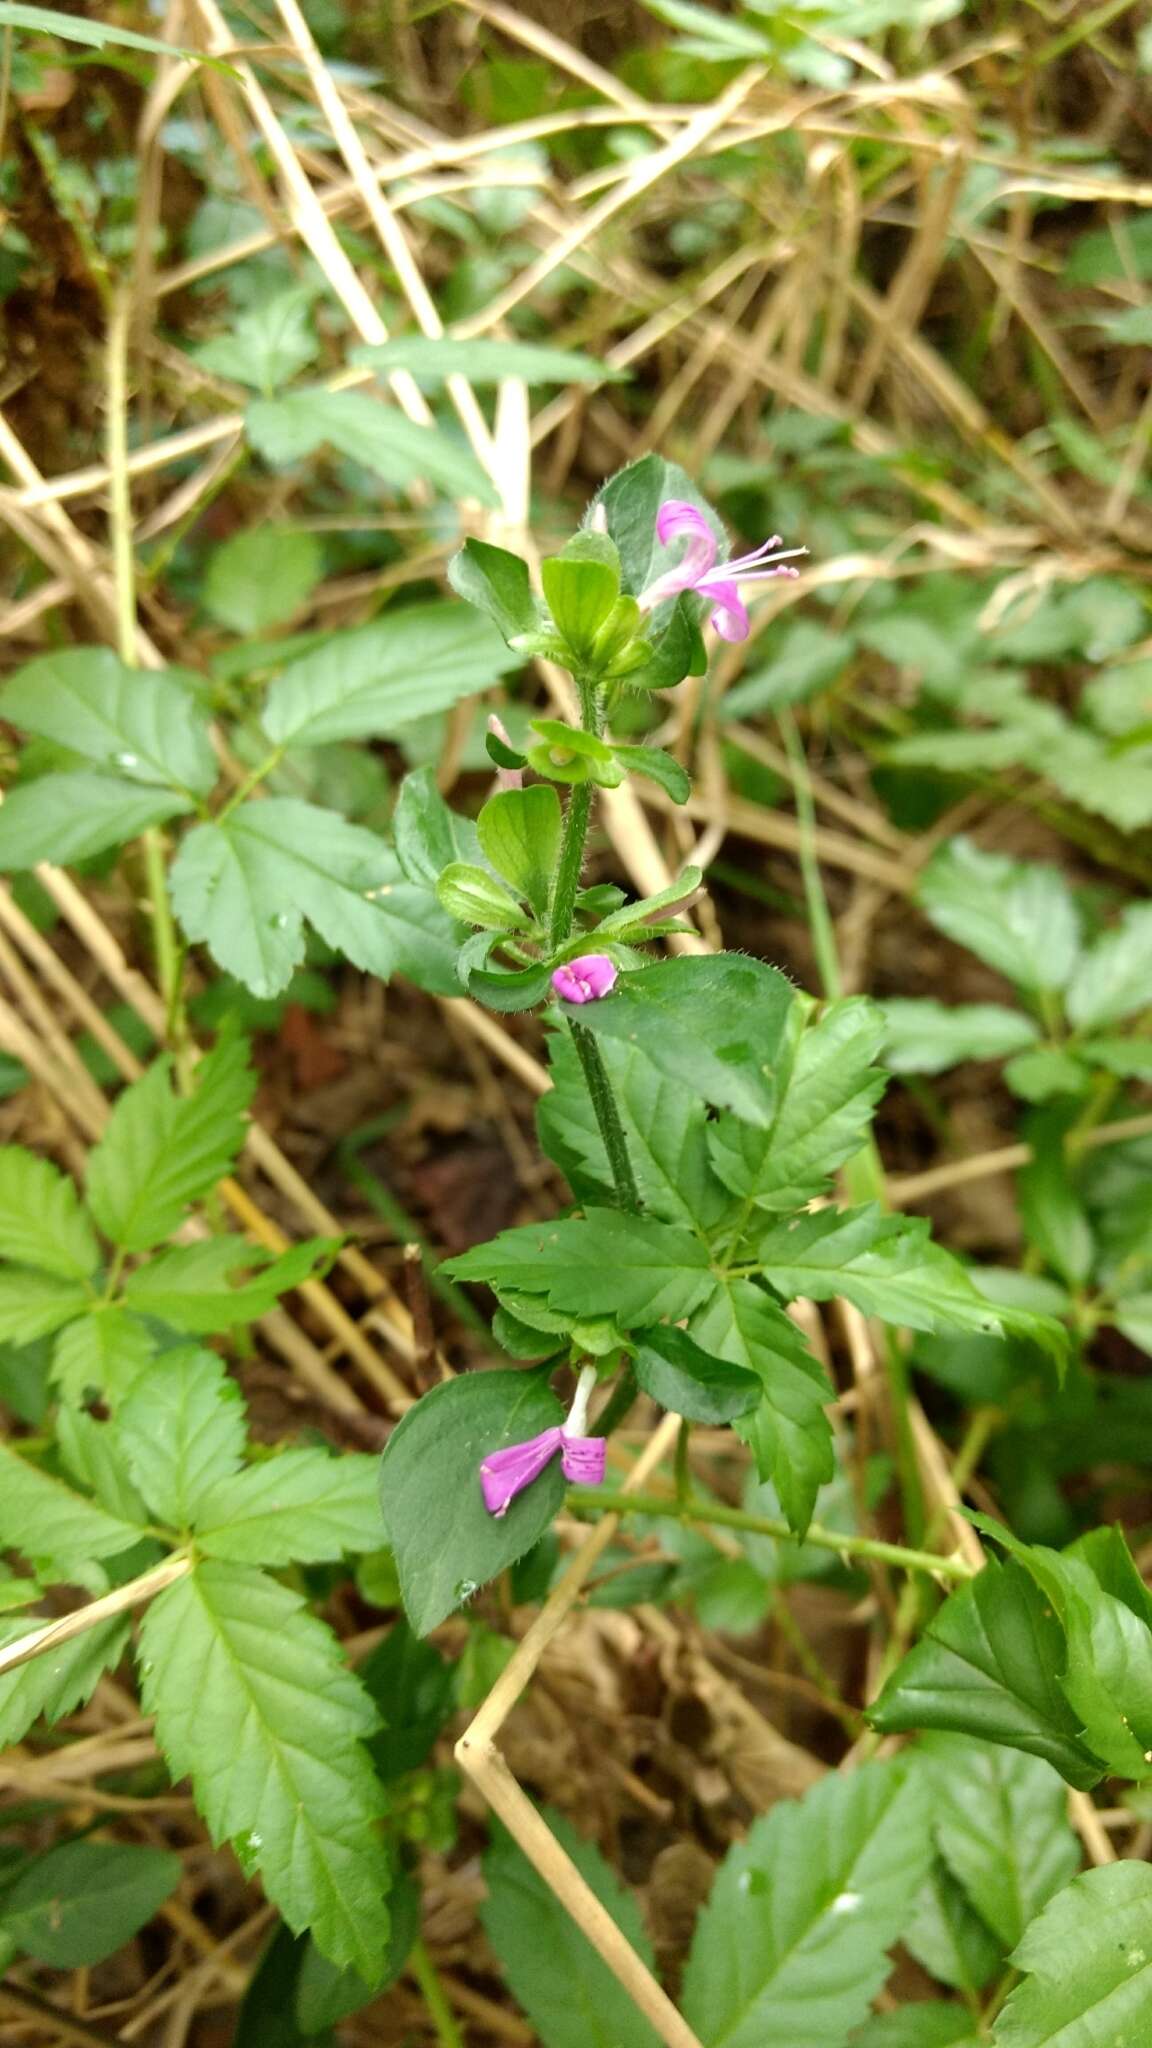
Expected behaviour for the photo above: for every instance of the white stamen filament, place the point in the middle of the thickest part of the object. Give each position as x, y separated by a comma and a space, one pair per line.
576, 1422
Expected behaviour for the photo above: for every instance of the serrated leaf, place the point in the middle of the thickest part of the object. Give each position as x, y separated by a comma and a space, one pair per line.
374, 680
1018, 916
822, 1117
301, 1507
1088, 1960
74, 815
93, 1458
47, 1521
987, 1665
50, 21
146, 723
927, 2024
947, 1936
81, 1901
807, 657
1114, 978
926, 1037
427, 834
497, 583
49, 1687
103, 1352
789, 1432
162, 1151
678, 1373
189, 1287
446, 1543
433, 360
659, 767
568, 1992
1001, 1824
41, 1221
253, 1701
601, 1264
244, 886
791, 1946
270, 341
377, 436
182, 1430
261, 578
35, 1304
713, 1025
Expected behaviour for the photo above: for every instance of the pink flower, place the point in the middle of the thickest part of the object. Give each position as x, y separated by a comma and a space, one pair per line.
504, 1474
585, 980
697, 568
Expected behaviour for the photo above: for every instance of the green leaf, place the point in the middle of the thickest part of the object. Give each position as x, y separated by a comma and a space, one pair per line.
659, 767
94, 1458
162, 1151
301, 1507
710, 35
1088, 1960
474, 896
41, 1221
427, 835
926, 1037
807, 658
713, 1025
1053, 1215
822, 1116
568, 1992
189, 1288
1045, 1073
1017, 916
1001, 1824
581, 586
254, 1702
103, 1353
83, 1900
182, 1429
1114, 978
146, 723
49, 1687
987, 1665
376, 436
927, 2024
244, 887
77, 814
631, 500
49, 21
681, 1376
270, 341
520, 832
496, 582
447, 1545
47, 1522
791, 1945
374, 680
1131, 1058
665, 1126
789, 1432
948, 1937
415, 1688
35, 1304
601, 1264
432, 361
261, 578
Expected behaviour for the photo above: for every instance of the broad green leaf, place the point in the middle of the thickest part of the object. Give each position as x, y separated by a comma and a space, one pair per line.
474, 896
377, 436
713, 1025
301, 1507
41, 1221
46, 1521
35, 1304
665, 1126
681, 1376
73, 28
1001, 1824
415, 1690
789, 1432
631, 500
94, 1460
520, 832
497, 583
1052, 1212
270, 341
713, 36
947, 1936
103, 1353
447, 1545
49, 1687
791, 1946
1088, 1964
926, 1037
1017, 916
1114, 978
189, 1287
246, 885
254, 1702
581, 586
374, 680
987, 1665
162, 1151
601, 1264
144, 722
927, 2024
261, 578
1044, 1073
73, 815
1131, 1058
567, 1990
427, 835
182, 1429
659, 767
81, 1901
822, 1117
483, 362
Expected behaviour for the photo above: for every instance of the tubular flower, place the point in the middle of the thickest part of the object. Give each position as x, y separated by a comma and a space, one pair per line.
585, 980
504, 1474
698, 569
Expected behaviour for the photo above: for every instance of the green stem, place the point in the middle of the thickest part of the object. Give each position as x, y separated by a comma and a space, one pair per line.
439, 2011
607, 1116
715, 1512
619, 1403
571, 862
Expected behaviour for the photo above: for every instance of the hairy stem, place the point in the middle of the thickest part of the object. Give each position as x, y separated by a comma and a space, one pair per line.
576, 821
607, 1116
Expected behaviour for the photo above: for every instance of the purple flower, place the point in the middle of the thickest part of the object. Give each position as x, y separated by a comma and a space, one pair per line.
504, 1474
585, 980
697, 568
